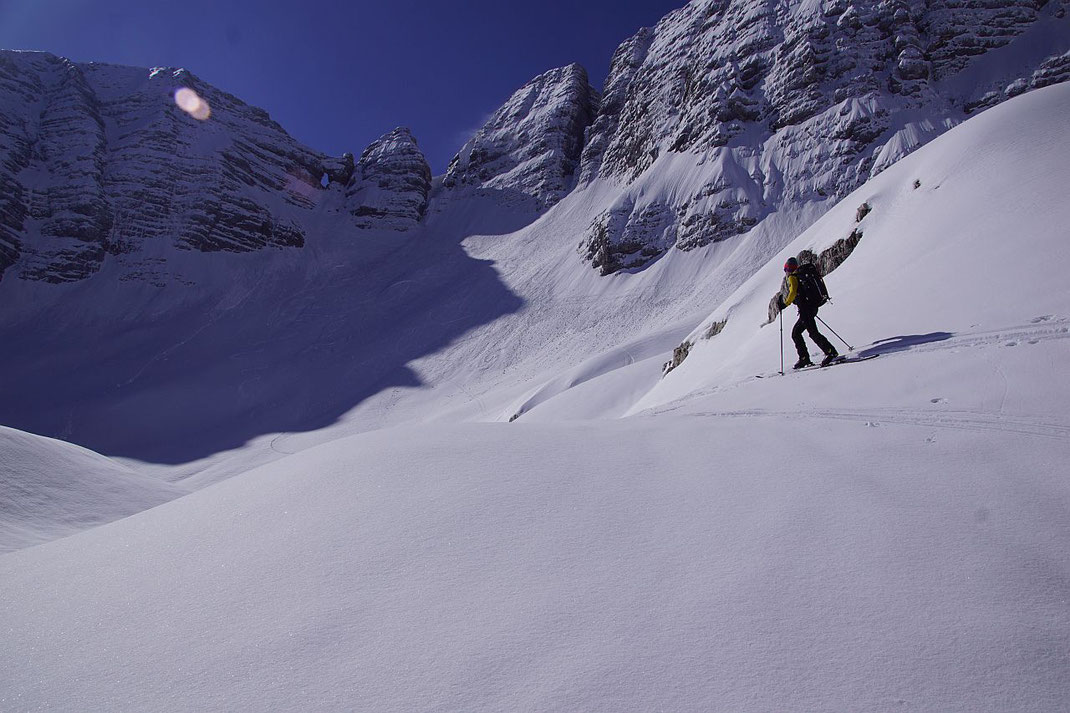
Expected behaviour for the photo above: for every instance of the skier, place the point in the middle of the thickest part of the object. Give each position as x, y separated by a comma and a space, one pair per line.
803, 287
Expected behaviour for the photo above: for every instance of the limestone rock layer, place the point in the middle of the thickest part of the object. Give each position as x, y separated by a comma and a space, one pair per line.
99, 162
531, 146
785, 103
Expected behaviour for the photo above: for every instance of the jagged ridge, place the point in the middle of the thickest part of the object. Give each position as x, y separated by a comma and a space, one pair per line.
785, 104
98, 160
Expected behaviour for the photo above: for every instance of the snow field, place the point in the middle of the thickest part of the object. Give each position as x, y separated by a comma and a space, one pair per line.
679, 562
978, 249
50, 489
882, 536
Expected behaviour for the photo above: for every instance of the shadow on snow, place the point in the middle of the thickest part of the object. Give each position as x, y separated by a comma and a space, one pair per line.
288, 346
903, 343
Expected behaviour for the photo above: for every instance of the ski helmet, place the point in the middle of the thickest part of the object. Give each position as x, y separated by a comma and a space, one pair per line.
791, 265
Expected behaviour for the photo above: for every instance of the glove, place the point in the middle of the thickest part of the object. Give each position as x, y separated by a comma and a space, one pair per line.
780, 303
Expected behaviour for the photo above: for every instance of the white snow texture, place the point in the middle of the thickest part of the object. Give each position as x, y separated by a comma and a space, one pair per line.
526, 514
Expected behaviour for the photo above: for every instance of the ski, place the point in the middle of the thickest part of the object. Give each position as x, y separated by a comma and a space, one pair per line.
834, 362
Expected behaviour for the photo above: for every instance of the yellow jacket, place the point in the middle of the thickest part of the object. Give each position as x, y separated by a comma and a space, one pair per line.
792, 289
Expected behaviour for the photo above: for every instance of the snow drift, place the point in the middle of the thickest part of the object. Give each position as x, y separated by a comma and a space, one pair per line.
50, 489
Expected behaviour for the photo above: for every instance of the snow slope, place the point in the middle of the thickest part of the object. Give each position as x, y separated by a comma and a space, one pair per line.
723, 132
886, 536
50, 489
685, 564
974, 254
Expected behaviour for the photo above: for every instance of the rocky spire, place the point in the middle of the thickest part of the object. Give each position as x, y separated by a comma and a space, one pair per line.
532, 144
626, 62
390, 183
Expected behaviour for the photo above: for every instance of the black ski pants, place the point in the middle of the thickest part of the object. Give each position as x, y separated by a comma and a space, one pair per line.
808, 323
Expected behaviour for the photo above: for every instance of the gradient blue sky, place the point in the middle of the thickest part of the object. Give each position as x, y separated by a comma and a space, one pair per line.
337, 74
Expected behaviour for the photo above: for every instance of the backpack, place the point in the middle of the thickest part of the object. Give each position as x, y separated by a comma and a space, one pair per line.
812, 290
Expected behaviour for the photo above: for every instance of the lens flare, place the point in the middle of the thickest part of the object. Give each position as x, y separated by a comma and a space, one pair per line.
191, 103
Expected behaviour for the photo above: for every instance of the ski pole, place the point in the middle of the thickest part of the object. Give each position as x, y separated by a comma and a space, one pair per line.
834, 332
782, 342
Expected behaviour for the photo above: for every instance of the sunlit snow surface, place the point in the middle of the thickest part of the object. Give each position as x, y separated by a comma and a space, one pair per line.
884, 536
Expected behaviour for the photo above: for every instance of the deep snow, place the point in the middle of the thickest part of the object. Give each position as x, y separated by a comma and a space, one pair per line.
50, 489
889, 535
669, 563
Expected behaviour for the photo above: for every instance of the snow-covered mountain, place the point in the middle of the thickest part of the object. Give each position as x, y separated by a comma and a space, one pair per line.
390, 185
773, 105
374, 439
176, 288
531, 145
881, 536
102, 167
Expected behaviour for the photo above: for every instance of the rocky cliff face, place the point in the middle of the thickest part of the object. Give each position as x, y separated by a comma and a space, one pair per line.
99, 163
626, 63
531, 146
787, 102
52, 138
724, 113
390, 185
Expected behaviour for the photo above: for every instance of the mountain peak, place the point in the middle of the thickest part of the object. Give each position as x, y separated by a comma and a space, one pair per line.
390, 186
531, 145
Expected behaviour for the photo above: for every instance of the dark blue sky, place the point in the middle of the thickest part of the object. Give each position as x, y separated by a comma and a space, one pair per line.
339, 74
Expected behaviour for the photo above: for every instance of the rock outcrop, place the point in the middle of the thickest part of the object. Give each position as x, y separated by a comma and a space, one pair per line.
531, 146
626, 62
390, 185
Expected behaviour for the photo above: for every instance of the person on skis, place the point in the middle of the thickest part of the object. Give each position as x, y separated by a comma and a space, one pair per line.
804, 288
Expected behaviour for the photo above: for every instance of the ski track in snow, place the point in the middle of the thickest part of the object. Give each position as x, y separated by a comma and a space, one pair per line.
1039, 329
958, 420
1054, 328
274, 447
